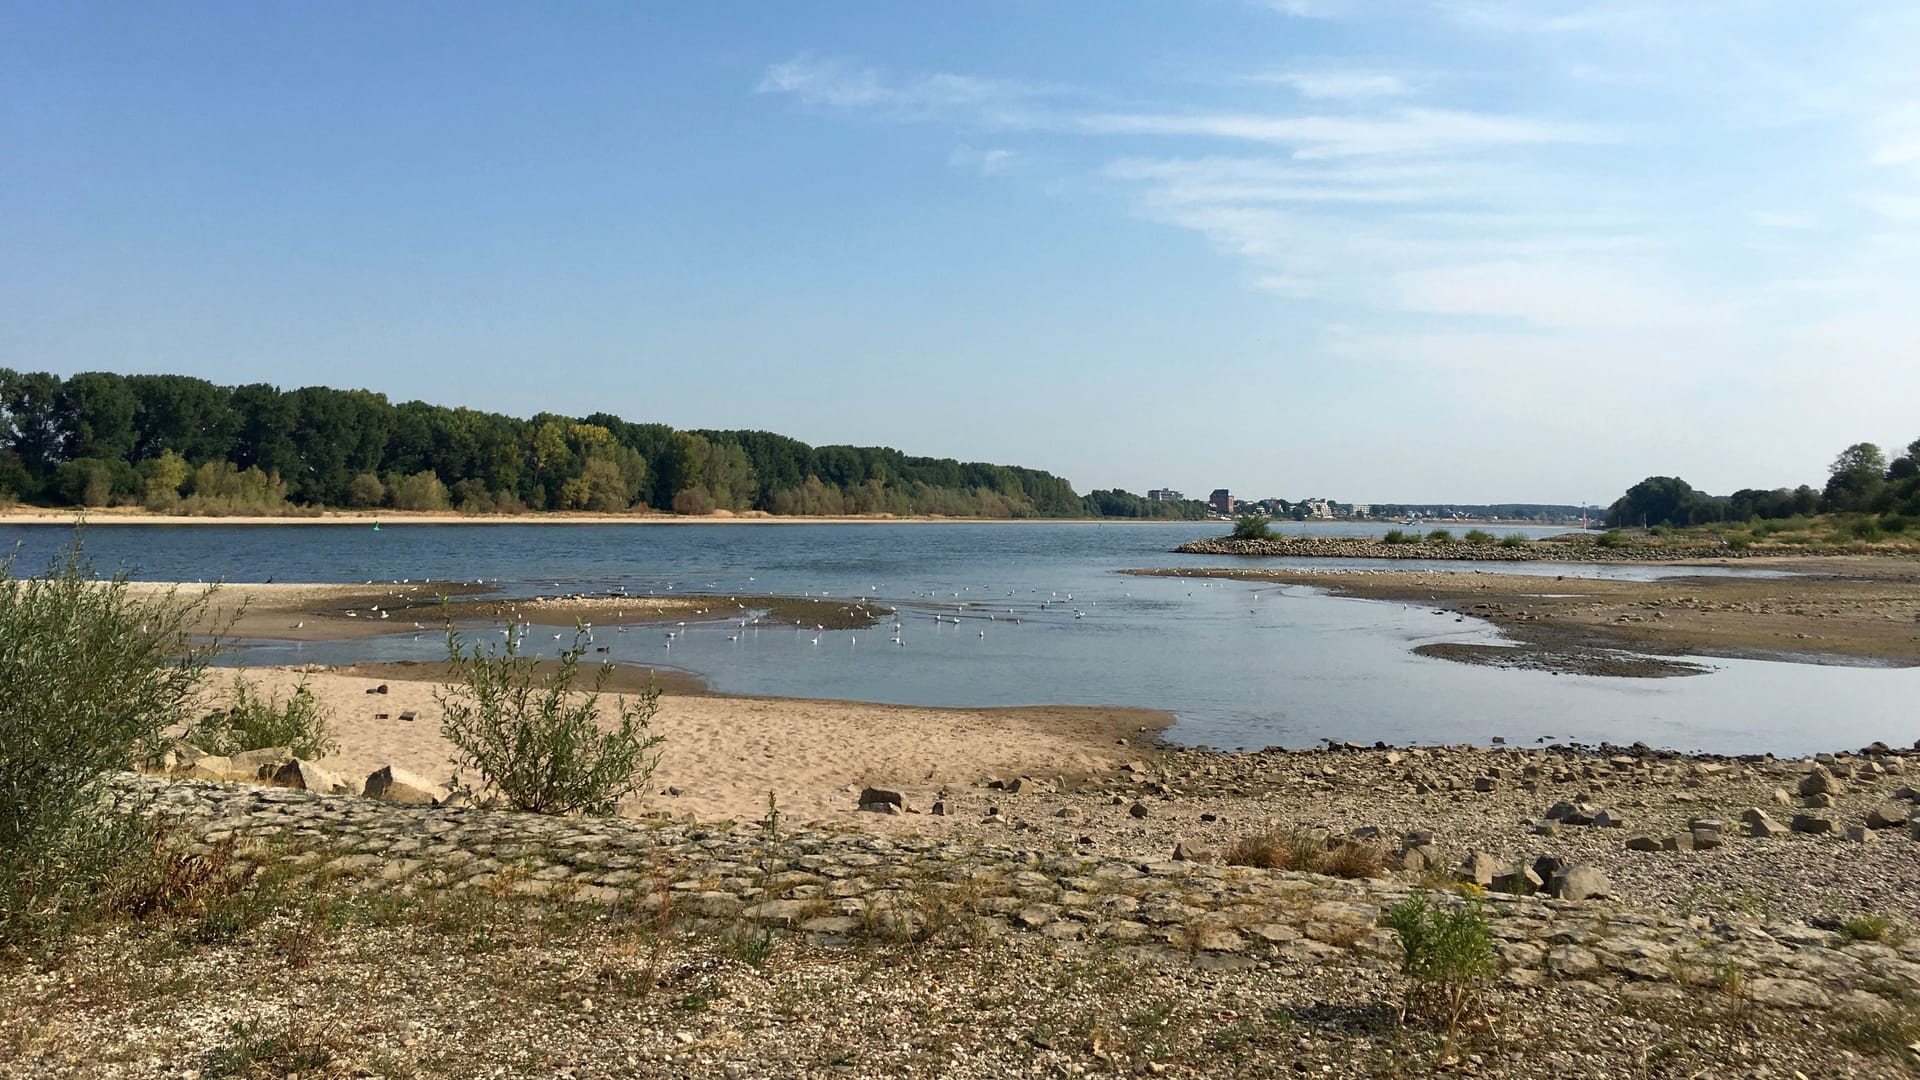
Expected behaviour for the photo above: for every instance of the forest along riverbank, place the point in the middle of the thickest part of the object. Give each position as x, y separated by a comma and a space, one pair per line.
1853, 609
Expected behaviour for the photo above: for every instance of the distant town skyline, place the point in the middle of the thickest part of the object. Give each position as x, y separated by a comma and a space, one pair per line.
1396, 251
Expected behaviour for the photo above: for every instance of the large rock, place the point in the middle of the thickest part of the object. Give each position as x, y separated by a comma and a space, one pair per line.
1643, 843
1185, 852
389, 784
875, 796
1814, 824
260, 764
1479, 868
1890, 815
1582, 882
209, 767
1420, 858
1609, 819
306, 776
1760, 825
1817, 782
1521, 881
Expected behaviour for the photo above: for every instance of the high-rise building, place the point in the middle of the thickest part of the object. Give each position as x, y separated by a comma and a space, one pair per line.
1221, 502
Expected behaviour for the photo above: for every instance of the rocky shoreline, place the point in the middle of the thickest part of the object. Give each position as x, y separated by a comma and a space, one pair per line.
1034, 925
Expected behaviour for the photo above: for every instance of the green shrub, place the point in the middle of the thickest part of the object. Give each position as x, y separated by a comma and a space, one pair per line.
1867, 927
1894, 523
1659, 530
1514, 540
1612, 538
1251, 527
1447, 957
1478, 536
536, 744
253, 722
92, 677
1440, 536
1400, 536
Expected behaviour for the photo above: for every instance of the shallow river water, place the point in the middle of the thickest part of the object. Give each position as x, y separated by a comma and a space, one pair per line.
1239, 664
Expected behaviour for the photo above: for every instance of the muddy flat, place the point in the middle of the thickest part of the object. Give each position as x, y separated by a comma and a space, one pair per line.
1828, 610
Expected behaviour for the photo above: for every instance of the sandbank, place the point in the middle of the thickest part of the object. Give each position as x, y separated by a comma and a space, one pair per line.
724, 754
1833, 609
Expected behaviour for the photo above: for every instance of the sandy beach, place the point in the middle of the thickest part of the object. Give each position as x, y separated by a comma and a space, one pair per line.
724, 754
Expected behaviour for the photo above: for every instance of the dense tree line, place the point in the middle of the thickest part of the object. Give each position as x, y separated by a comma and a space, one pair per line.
1860, 481
180, 444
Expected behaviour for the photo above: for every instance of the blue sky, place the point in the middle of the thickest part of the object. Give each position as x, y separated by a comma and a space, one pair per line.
1372, 251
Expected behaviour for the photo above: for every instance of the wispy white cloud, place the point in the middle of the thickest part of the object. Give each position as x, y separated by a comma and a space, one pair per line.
835, 84
1554, 294
1310, 9
1336, 85
1402, 131
988, 162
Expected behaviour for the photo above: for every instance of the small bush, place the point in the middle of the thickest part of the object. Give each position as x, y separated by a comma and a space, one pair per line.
253, 722
1275, 849
1251, 527
533, 742
1448, 957
1352, 860
1612, 538
1478, 536
1514, 540
1400, 536
1867, 927
1894, 523
1440, 536
92, 677
1285, 849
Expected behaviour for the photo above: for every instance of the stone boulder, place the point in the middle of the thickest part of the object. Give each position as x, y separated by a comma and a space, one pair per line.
259, 764
1761, 825
1890, 815
1479, 868
875, 796
1419, 858
1817, 782
209, 767
1582, 882
306, 776
1185, 852
1813, 824
1642, 843
390, 784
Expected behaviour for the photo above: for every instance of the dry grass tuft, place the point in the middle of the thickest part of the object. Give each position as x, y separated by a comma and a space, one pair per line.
1287, 849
